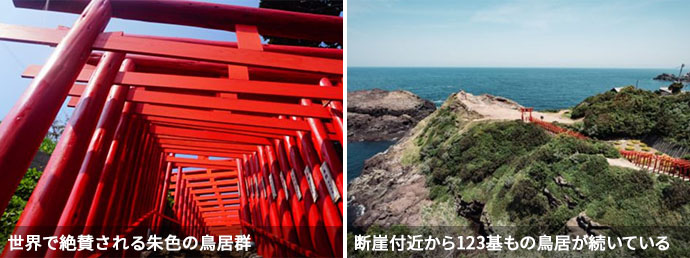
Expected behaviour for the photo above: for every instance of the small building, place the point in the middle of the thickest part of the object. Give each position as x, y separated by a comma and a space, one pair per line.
617, 89
666, 91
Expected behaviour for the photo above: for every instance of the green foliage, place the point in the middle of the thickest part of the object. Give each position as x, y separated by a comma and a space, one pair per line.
28, 183
324, 7
482, 150
171, 200
17, 203
550, 110
47, 146
537, 182
675, 87
439, 193
440, 128
639, 179
635, 112
674, 119
631, 112
526, 200
581, 109
676, 194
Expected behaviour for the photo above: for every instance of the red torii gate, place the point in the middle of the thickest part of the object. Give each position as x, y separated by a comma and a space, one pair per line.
261, 120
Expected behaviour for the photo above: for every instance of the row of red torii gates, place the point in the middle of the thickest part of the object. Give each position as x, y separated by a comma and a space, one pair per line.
650, 161
245, 137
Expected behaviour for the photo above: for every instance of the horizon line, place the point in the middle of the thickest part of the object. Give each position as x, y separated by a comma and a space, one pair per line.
542, 67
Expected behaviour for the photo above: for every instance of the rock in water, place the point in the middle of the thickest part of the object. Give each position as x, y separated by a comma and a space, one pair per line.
672, 77
379, 115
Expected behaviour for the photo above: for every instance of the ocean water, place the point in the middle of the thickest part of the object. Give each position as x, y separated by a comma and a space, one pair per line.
541, 88
358, 152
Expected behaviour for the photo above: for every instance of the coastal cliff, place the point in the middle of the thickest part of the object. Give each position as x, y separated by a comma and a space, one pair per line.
473, 165
379, 115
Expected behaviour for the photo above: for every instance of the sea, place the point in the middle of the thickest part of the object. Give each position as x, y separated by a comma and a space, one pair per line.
541, 88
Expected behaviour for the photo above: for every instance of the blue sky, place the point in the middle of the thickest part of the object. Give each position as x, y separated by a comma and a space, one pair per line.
15, 57
519, 33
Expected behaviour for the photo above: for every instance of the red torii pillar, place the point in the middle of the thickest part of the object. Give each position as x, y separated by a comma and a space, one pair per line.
108, 178
164, 194
52, 191
522, 113
243, 190
336, 109
77, 207
23, 129
331, 215
297, 209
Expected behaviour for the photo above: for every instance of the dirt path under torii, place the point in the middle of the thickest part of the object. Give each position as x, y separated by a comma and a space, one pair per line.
499, 108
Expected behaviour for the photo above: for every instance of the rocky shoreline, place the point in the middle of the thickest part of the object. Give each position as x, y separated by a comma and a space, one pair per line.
379, 115
391, 192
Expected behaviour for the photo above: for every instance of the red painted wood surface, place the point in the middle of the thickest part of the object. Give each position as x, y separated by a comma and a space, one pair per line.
201, 122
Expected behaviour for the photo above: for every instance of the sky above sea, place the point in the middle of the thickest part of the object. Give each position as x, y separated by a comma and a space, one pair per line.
519, 33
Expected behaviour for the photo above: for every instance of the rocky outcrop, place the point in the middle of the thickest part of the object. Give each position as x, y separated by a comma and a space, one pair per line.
389, 192
582, 224
672, 77
377, 115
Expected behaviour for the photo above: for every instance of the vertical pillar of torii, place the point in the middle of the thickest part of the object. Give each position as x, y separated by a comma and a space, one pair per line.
87, 183
244, 41
298, 179
332, 218
164, 195
243, 191
23, 129
522, 114
47, 201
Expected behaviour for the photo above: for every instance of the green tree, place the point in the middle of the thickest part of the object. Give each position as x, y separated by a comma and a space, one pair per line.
675, 87
324, 7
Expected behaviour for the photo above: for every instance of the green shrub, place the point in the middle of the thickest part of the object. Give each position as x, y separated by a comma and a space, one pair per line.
539, 172
17, 203
438, 130
638, 180
484, 148
438, 192
675, 87
634, 113
676, 194
527, 200
47, 146
581, 109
